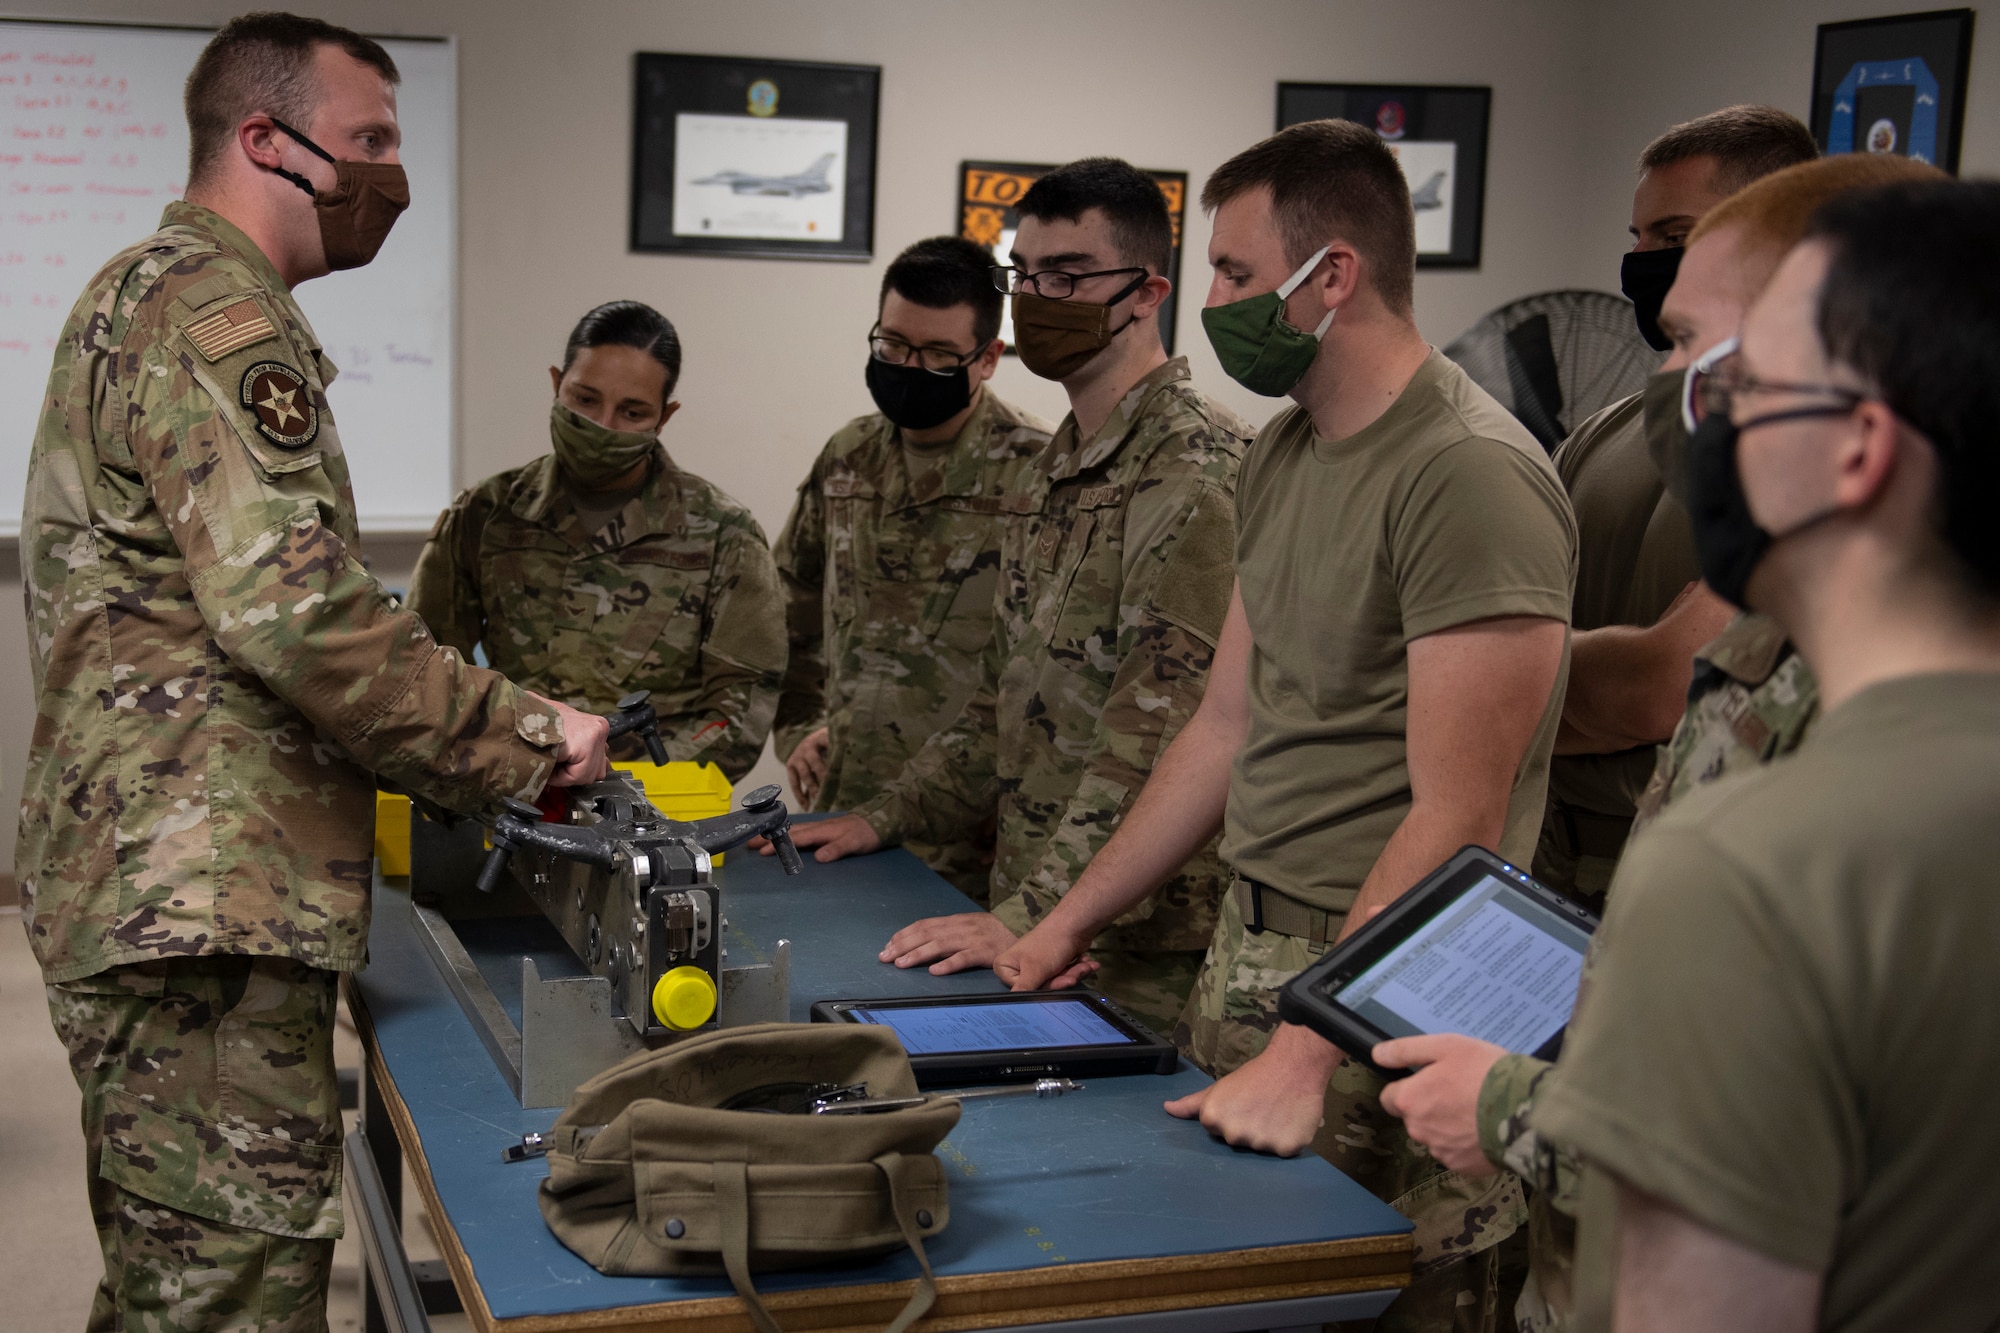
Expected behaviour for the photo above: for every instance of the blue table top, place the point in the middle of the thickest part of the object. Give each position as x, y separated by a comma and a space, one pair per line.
1099, 1175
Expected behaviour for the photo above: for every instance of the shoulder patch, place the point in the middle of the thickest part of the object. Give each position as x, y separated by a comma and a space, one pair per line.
236, 326
281, 401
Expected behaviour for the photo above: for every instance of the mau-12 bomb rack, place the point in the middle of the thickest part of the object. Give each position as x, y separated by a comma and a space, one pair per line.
629, 890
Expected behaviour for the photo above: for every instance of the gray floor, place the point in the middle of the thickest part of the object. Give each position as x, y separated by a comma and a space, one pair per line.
52, 1260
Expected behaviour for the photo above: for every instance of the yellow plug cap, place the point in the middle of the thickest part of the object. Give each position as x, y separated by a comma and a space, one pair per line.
684, 998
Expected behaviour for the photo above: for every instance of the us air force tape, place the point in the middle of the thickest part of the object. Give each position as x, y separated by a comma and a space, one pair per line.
282, 403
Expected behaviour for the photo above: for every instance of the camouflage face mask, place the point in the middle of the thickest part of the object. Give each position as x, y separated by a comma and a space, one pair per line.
595, 456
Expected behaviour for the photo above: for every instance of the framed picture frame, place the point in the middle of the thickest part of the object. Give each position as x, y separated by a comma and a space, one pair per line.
1893, 85
1438, 132
988, 191
772, 159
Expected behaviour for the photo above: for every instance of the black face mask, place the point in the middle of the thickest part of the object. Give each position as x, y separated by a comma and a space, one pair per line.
1646, 276
1727, 541
913, 397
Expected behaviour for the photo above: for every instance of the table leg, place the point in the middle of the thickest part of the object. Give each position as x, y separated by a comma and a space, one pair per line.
380, 1136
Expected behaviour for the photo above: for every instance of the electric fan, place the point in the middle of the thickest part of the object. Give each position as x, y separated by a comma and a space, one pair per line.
1555, 358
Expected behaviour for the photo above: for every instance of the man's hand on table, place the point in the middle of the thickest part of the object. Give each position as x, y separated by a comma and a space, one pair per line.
843, 835
949, 943
807, 766
1046, 958
1275, 1103
1439, 1104
581, 758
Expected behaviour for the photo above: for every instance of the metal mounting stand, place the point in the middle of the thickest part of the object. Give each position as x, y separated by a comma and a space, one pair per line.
570, 1027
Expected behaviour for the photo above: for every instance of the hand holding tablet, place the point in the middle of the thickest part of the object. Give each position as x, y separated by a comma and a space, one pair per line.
1477, 948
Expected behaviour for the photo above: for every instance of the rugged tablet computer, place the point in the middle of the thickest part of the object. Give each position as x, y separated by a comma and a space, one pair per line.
1477, 947
955, 1039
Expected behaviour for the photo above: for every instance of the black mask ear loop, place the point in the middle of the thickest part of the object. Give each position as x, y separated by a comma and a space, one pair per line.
311, 147
1124, 292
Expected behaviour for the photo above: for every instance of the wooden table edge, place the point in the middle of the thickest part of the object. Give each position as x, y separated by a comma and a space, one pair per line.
965, 1301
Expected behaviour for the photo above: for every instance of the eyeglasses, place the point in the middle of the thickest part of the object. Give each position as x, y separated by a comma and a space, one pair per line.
937, 360
1056, 284
1716, 380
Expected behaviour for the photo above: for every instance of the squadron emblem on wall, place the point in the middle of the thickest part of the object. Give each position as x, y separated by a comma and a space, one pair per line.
281, 401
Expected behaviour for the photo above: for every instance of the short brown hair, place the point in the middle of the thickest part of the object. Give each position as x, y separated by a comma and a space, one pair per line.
1130, 200
1773, 213
1747, 142
1332, 179
263, 63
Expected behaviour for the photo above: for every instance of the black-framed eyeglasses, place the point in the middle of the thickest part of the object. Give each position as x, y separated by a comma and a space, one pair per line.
1057, 285
1716, 380
937, 360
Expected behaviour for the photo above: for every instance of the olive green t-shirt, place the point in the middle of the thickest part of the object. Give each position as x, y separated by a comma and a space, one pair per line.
1790, 1024
1443, 511
1635, 553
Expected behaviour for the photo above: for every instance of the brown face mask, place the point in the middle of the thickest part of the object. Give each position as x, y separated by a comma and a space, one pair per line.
1055, 339
356, 214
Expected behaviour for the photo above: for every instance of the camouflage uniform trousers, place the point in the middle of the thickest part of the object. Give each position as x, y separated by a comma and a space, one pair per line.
1154, 985
211, 1123
1470, 1257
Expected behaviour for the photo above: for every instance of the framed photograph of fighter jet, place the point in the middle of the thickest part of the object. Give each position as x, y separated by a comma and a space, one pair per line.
987, 192
758, 158
1893, 85
1437, 132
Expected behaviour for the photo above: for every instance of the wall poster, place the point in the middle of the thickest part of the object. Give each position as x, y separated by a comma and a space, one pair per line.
987, 192
1893, 85
1439, 136
768, 158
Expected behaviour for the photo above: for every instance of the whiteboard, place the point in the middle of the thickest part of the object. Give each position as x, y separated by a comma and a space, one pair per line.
94, 143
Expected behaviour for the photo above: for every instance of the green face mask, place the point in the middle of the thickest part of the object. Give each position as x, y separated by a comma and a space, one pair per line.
1257, 348
1666, 433
595, 456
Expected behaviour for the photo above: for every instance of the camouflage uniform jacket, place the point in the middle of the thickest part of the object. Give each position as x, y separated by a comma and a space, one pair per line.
889, 584
675, 594
1113, 589
215, 672
1752, 700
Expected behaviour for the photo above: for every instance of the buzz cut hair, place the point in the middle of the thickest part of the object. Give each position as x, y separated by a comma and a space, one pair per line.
1141, 228
940, 272
1908, 303
1747, 142
1332, 180
263, 62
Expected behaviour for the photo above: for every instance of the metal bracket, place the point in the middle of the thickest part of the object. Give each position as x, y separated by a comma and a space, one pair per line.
571, 1029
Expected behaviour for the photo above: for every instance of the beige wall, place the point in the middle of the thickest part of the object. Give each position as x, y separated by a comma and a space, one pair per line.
1650, 65
774, 348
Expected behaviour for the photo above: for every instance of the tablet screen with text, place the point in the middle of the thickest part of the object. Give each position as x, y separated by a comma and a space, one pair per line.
939, 1029
1496, 965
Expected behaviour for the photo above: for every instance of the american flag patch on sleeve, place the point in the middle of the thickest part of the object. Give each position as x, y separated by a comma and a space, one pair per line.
230, 329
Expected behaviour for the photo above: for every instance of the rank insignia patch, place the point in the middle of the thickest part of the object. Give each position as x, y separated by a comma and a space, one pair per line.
231, 329
282, 402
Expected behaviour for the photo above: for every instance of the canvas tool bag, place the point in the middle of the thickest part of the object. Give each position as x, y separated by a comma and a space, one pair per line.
647, 1175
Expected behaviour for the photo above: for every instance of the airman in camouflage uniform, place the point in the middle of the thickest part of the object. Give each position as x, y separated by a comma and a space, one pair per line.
1113, 588
889, 572
1753, 699
676, 594
216, 674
